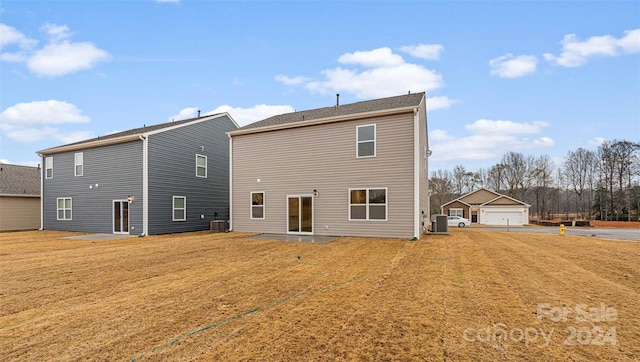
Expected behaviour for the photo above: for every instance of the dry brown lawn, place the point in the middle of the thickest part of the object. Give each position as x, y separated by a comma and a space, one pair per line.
471, 295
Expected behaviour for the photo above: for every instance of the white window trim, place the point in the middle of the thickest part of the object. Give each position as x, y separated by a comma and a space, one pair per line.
251, 205
386, 204
375, 141
174, 208
64, 209
205, 166
76, 164
48, 165
456, 209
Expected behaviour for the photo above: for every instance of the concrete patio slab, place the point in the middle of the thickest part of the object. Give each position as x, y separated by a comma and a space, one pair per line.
299, 238
100, 237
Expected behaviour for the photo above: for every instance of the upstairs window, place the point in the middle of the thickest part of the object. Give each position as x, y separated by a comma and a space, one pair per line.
201, 166
79, 162
64, 208
179, 208
48, 167
366, 143
257, 205
368, 204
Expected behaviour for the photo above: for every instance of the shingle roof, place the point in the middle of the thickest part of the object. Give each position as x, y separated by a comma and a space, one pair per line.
136, 131
19, 180
407, 100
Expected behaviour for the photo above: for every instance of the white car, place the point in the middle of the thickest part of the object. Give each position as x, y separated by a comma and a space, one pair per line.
457, 221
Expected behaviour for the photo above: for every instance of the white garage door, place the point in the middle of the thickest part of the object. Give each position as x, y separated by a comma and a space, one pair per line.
501, 217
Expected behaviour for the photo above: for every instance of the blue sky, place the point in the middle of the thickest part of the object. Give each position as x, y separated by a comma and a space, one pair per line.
531, 77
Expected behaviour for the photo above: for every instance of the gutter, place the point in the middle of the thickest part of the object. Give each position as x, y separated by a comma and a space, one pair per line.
98, 143
19, 195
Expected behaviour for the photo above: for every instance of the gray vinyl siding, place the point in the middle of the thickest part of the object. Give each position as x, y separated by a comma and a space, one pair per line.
323, 158
117, 169
172, 172
424, 171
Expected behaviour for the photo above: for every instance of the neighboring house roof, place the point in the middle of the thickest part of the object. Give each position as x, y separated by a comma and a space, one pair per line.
129, 135
336, 113
16, 180
492, 198
499, 201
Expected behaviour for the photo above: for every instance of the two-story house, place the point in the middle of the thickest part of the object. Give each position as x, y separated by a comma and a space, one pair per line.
166, 178
357, 169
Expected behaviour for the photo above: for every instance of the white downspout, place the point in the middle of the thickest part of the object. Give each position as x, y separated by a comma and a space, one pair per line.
230, 182
416, 174
145, 185
41, 192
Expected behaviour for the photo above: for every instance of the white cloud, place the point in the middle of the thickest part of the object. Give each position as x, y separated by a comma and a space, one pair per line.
434, 103
509, 66
596, 142
22, 133
43, 112
24, 163
65, 57
630, 42
245, 116
59, 57
576, 53
185, 113
484, 126
56, 32
424, 51
372, 74
291, 80
30, 122
11, 36
487, 139
381, 57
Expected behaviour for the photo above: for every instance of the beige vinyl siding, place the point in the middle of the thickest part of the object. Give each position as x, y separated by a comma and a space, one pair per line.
298, 161
19, 213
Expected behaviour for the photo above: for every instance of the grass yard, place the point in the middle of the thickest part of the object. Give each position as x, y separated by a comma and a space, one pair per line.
471, 295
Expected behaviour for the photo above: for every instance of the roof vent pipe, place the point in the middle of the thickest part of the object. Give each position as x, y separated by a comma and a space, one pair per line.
337, 99
198, 113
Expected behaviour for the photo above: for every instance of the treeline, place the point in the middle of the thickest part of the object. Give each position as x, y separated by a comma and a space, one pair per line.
603, 184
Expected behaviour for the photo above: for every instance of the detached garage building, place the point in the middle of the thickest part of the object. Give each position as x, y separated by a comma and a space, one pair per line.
487, 207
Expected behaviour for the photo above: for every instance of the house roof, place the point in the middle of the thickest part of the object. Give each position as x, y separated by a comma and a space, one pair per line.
493, 197
302, 118
16, 180
126, 136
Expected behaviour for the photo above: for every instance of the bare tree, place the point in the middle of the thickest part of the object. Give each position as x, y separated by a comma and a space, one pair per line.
626, 154
542, 181
464, 181
617, 160
496, 177
517, 175
578, 168
441, 187
607, 160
